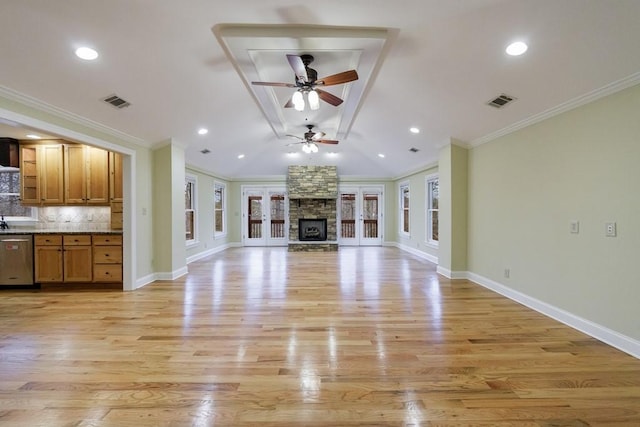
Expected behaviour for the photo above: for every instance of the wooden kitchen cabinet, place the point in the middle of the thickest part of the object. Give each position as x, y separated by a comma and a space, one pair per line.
63, 258
61, 173
51, 174
107, 258
48, 258
115, 177
77, 258
29, 186
43, 174
86, 175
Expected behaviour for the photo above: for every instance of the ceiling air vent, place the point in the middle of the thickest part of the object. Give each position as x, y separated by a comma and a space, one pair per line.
116, 101
501, 100
413, 149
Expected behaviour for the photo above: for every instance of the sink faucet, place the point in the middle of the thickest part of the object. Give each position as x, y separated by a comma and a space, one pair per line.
3, 223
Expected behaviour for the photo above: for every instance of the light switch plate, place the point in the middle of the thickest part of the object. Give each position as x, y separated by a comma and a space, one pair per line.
574, 227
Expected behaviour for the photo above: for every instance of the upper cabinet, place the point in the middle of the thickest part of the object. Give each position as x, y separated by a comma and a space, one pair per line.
86, 175
42, 173
60, 173
115, 177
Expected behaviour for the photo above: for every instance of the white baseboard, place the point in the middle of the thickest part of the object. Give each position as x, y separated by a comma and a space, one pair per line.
143, 281
454, 275
416, 252
602, 333
172, 275
211, 251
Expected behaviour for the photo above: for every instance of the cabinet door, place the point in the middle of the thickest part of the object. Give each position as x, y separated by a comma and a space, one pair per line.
115, 177
77, 264
74, 174
97, 175
48, 264
51, 174
29, 186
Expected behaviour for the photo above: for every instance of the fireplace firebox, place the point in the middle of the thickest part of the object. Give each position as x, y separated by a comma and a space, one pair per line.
312, 229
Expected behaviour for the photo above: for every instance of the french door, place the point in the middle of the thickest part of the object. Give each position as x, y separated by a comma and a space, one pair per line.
360, 216
265, 216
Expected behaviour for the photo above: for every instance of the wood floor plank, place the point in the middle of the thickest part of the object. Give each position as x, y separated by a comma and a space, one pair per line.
261, 336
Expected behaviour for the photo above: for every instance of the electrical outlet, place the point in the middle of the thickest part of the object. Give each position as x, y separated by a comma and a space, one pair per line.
611, 229
507, 273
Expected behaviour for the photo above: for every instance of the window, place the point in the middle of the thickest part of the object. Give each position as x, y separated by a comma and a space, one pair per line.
432, 210
190, 208
404, 208
219, 204
10, 206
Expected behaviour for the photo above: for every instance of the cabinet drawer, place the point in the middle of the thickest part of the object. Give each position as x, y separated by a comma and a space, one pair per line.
107, 239
107, 273
107, 255
76, 240
48, 240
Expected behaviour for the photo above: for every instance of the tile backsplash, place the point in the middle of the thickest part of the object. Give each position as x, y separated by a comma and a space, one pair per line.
74, 217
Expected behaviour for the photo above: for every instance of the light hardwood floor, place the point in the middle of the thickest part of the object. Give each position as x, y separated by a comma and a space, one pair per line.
263, 337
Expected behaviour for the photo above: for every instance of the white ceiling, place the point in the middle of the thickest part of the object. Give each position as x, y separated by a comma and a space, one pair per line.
432, 64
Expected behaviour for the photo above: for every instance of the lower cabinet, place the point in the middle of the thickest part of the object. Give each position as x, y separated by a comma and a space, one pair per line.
48, 258
76, 255
78, 258
107, 258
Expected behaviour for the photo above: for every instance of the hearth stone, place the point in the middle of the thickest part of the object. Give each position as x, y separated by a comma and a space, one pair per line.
313, 247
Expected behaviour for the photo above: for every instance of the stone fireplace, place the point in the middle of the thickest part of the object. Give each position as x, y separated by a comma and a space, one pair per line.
313, 194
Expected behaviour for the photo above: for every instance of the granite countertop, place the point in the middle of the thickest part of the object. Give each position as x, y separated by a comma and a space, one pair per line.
30, 230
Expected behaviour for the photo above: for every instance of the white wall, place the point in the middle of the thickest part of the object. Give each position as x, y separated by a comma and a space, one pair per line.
526, 187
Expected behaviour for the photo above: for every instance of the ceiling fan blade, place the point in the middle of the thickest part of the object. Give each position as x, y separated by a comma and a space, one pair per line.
329, 97
318, 135
289, 104
298, 67
273, 84
295, 136
336, 79
327, 141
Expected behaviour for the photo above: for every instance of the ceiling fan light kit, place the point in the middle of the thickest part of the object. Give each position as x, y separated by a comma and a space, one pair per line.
306, 82
311, 140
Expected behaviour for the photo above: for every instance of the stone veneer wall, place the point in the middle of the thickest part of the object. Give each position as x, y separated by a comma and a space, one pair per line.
313, 194
313, 209
312, 182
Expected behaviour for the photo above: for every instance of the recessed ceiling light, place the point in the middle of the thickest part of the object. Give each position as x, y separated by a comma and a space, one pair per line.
86, 53
241, 156
33, 136
516, 48
414, 130
381, 155
203, 131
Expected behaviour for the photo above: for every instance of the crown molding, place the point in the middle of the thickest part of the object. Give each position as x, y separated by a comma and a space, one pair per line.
59, 113
609, 89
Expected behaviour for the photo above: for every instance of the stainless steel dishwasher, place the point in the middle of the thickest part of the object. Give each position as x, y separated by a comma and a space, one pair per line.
16, 259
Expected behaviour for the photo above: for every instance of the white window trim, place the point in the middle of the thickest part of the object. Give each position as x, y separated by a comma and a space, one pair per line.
401, 186
427, 209
223, 233
193, 179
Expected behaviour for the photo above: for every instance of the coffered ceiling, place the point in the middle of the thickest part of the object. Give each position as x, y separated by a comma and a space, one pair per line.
431, 64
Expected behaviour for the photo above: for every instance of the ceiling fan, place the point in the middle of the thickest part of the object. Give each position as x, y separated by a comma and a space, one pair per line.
310, 140
307, 81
